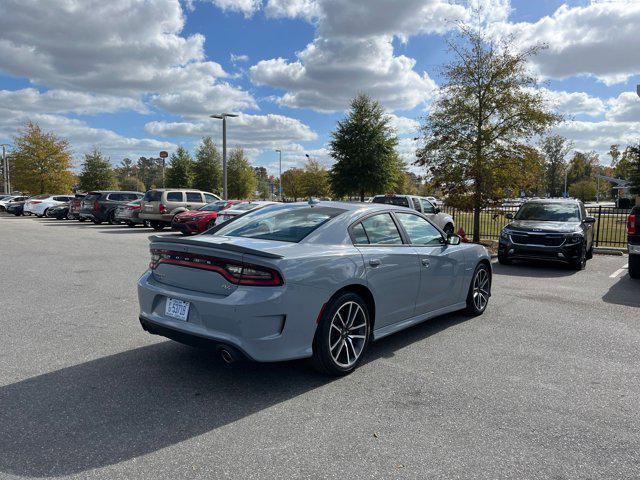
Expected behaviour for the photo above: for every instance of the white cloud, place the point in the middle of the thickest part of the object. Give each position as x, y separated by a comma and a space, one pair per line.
64, 101
624, 108
404, 125
247, 7
574, 103
599, 136
213, 99
238, 58
247, 131
599, 39
307, 9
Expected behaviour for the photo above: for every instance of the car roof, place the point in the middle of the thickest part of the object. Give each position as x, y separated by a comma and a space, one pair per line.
552, 200
111, 191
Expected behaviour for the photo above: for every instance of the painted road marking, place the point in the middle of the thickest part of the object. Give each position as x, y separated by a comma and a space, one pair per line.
619, 271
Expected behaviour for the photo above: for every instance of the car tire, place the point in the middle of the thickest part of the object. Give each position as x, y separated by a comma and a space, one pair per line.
146, 224
81, 219
97, 222
503, 259
157, 226
590, 252
17, 214
581, 262
210, 225
348, 338
448, 229
130, 224
479, 290
634, 266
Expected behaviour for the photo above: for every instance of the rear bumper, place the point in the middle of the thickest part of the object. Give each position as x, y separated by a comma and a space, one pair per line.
634, 249
266, 324
156, 217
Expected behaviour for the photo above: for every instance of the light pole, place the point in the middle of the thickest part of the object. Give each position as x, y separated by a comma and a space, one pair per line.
566, 172
223, 117
280, 176
5, 169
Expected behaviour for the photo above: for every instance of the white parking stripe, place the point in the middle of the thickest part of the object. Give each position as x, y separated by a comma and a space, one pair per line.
619, 271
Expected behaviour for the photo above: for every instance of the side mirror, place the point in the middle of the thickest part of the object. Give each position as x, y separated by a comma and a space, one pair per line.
436, 210
589, 220
453, 239
509, 216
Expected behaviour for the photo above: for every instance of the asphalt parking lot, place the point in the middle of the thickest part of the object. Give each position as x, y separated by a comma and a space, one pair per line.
546, 384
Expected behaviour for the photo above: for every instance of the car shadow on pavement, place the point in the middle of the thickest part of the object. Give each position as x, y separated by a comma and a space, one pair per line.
536, 269
626, 291
126, 405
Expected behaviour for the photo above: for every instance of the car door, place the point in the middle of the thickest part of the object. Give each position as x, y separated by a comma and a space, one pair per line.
194, 200
441, 265
587, 227
392, 267
431, 212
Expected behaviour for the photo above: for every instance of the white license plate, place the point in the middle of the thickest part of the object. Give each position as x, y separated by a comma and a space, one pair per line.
177, 309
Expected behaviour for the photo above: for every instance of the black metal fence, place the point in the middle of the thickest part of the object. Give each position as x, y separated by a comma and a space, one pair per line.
610, 229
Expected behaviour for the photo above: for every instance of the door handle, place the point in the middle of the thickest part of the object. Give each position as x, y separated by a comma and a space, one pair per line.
375, 262
425, 262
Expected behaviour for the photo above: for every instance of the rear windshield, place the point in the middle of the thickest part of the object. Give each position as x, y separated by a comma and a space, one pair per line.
279, 222
213, 207
152, 196
549, 212
398, 201
243, 207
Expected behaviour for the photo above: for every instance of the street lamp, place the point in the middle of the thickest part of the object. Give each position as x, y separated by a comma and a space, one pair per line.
223, 117
5, 169
280, 176
566, 172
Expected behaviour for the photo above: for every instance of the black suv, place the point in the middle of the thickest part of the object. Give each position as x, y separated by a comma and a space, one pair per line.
100, 206
548, 229
633, 237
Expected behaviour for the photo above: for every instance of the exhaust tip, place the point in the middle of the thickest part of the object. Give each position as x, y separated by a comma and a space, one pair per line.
227, 356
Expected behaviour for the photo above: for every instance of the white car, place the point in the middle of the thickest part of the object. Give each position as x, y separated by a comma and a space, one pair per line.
435, 201
442, 220
4, 199
239, 209
39, 204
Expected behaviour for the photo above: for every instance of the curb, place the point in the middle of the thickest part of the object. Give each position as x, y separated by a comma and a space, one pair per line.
609, 251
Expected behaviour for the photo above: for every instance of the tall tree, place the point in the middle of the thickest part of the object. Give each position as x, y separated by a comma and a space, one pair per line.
97, 172
488, 108
132, 184
126, 169
208, 167
363, 146
180, 171
555, 148
150, 172
293, 183
315, 180
582, 166
634, 170
263, 185
40, 162
241, 179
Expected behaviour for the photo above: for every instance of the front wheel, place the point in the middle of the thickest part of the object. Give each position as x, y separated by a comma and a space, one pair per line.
634, 266
157, 226
479, 290
503, 258
581, 262
342, 336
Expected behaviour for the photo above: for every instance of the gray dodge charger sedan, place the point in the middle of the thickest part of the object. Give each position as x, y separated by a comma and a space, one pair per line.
318, 279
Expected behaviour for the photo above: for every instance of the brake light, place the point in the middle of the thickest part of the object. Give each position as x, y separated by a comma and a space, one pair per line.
162, 208
239, 273
631, 225
133, 207
96, 206
33, 202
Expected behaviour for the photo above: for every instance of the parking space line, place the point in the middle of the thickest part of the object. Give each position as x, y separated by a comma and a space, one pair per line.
619, 271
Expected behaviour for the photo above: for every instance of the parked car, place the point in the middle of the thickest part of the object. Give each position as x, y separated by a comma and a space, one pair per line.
100, 206
16, 206
129, 213
197, 221
159, 206
39, 204
4, 202
240, 209
75, 204
548, 229
434, 201
633, 237
59, 212
318, 280
444, 221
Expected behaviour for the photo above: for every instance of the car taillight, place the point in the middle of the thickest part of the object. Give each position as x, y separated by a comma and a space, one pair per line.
162, 208
33, 202
631, 225
96, 206
239, 273
133, 207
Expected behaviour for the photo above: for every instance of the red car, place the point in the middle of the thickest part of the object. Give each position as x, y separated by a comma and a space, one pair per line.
197, 221
74, 207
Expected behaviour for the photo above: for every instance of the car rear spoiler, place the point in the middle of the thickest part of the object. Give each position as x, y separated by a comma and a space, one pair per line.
220, 246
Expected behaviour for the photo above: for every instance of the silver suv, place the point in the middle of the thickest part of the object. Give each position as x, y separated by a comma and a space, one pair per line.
159, 206
442, 220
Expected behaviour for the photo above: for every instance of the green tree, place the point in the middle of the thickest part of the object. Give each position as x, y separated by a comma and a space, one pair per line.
180, 171
132, 184
293, 183
241, 179
584, 189
149, 171
488, 109
97, 172
263, 185
633, 154
624, 166
40, 162
126, 169
208, 167
582, 166
315, 180
555, 148
363, 146
531, 165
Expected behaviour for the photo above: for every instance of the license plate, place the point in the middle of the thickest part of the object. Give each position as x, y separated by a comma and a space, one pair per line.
177, 309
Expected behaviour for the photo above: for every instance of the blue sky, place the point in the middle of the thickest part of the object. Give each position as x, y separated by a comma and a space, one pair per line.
134, 77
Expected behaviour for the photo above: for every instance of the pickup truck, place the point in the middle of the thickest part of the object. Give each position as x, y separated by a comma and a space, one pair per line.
633, 238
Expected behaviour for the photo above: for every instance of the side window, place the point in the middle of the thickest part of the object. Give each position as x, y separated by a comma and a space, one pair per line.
60, 199
174, 196
359, 235
115, 197
194, 197
416, 204
209, 198
420, 231
382, 230
583, 211
427, 207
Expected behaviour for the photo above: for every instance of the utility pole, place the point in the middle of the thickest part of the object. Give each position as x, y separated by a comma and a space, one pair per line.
280, 177
223, 117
